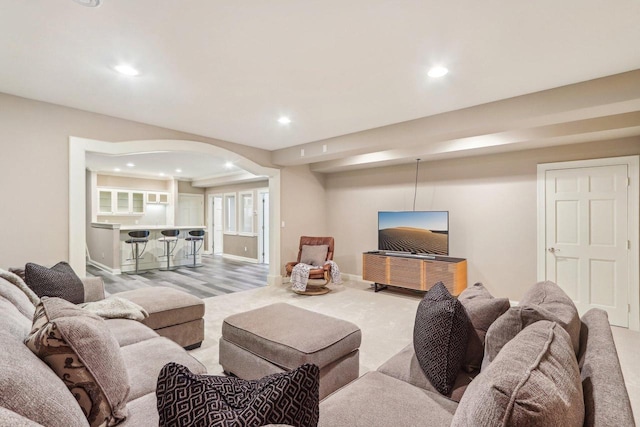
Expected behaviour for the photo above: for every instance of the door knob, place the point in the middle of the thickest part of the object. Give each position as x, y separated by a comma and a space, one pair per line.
553, 250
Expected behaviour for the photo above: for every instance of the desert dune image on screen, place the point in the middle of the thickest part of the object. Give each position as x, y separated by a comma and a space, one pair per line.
408, 231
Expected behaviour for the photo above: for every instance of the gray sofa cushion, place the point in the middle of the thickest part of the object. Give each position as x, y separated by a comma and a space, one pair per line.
31, 389
128, 332
376, 399
405, 367
17, 297
551, 297
440, 337
58, 281
543, 301
288, 398
145, 359
534, 381
80, 349
483, 309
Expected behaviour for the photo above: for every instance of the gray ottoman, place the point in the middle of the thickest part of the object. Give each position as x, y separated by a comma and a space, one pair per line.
173, 314
281, 337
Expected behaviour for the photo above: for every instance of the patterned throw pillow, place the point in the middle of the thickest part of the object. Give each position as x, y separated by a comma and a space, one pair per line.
58, 281
440, 337
187, 399
482, 309
81, 350
314, 255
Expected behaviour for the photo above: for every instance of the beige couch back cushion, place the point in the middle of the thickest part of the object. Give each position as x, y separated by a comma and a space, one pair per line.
534, 381
18, 298
36, 392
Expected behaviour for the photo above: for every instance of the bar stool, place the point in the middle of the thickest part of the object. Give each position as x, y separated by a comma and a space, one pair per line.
195, 236
137, 237
169, 236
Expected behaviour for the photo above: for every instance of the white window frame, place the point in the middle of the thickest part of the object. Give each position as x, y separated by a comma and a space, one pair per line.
228, 227
243, 198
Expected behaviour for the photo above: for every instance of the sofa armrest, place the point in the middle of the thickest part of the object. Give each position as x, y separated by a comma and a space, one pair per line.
93, 289
605, 396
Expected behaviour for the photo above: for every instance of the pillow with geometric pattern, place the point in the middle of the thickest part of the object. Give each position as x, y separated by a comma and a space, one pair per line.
59, 281
186, 399
440, 337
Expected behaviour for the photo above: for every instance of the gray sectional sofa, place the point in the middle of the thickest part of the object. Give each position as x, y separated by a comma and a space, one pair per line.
399, 394
32, 394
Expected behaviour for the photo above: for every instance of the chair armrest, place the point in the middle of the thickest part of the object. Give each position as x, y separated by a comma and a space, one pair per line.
93, 289
326, 267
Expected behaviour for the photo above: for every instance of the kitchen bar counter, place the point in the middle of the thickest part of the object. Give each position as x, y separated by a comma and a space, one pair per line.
109, 251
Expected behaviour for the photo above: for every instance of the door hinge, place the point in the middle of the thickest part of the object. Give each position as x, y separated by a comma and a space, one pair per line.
628, 181
628, 308
628, 244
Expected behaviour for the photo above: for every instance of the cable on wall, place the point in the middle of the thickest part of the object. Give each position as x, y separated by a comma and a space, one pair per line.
415, 191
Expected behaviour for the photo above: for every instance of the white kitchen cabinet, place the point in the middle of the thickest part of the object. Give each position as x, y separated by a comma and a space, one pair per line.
154, 197
120, 202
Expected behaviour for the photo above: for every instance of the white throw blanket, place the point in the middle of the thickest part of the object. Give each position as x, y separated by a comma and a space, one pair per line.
300, 275
116, 308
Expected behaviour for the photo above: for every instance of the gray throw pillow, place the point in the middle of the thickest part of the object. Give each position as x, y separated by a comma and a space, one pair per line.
552, 298
543, 301
314, 255
534, 381
440, 337
58, 281
482, 309
187, 399
79, 347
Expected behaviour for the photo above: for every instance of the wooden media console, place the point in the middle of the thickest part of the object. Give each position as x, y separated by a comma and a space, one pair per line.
419, 271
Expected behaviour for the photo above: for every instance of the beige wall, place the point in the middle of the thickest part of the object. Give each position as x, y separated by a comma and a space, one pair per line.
303, 209
491, 202
243, 246
143, 184
34, 184
185, 187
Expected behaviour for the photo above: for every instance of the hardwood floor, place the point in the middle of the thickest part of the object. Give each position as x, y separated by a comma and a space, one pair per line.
217, 276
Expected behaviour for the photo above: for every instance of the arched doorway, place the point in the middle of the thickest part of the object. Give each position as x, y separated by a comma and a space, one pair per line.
78, 147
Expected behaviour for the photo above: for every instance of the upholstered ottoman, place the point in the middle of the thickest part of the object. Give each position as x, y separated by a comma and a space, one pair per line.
281, 337
173, 314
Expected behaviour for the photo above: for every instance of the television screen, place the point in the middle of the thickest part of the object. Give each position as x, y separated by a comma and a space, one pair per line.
422, 232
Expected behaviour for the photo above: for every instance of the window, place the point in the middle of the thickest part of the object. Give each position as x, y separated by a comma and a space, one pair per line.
230, 213
246, 216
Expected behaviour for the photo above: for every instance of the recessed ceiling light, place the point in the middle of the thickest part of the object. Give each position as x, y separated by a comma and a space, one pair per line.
89, 3
284, 120
117, 169
228, 165
161, 174
130, 165
178, 170
127, 70
437, 72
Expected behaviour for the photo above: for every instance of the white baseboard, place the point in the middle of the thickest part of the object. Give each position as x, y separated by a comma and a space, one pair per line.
240, 258
346, 277
103, 267
274, 279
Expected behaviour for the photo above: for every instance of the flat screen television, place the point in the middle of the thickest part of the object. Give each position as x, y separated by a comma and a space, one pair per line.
417, 232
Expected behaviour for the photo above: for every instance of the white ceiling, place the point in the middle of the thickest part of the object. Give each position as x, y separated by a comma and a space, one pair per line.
162, 165
229, 69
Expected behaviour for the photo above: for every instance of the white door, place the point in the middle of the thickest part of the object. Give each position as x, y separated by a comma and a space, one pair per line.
190, 209
587, 237
218, 224
263, 227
